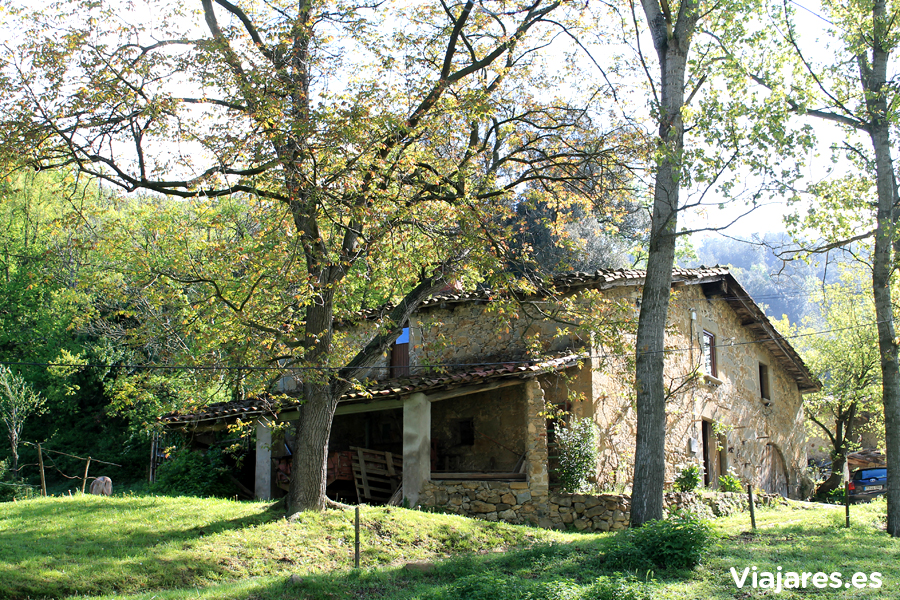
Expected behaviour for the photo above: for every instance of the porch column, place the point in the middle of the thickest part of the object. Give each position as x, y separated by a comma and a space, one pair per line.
416, 446
263, 481
536, 446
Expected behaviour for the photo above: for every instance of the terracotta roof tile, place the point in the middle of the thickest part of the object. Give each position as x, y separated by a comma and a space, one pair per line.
392, 388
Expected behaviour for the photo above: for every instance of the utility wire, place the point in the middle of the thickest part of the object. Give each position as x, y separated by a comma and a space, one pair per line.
810, 11
433, 365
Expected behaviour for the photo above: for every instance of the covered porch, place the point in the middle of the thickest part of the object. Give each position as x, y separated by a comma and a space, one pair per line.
480, 425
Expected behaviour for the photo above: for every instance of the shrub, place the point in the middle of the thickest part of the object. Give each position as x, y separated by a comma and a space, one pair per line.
13, 489
730, 483
577, 443
679, 542
690, 478
836, 496
193, 473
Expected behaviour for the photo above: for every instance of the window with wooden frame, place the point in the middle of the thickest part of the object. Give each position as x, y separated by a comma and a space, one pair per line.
400, 355
709, 354
764, 382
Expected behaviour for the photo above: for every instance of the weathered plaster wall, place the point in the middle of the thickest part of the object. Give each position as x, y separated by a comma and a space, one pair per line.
476, 332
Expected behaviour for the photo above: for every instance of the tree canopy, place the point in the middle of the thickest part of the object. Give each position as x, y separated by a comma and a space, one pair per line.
330, 157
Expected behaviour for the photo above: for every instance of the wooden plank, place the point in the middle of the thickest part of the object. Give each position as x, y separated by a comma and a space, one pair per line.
371, 479
478, 476
362, 467
376, 473
373, 470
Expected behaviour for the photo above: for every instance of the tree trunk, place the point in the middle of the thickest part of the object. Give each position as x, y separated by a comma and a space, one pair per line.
310, 448
323, 391
882, 269
873, 77
14, 448
672, 44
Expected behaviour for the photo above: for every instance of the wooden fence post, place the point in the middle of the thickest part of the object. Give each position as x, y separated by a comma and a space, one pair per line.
41, 464
847, 500
86, 467
356, 544
752, 508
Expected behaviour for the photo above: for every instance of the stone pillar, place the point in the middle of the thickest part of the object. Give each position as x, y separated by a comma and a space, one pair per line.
263, 482
536, 447
583, 386
416, 446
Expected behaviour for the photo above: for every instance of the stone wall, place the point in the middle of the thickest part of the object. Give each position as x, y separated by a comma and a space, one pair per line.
512, 502
763, 444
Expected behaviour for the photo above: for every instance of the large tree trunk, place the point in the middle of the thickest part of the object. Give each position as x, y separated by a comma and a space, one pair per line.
310, 448
873, 77
840, 441
672, 45
322, 392
882, 270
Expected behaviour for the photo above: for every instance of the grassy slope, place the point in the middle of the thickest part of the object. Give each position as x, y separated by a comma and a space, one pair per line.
164, 548
91, 545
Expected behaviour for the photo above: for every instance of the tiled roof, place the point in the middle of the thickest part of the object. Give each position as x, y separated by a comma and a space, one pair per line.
601, 279
380, 390
610, 277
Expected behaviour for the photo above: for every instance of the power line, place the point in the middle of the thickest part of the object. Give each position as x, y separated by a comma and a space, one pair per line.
810, 11
432, 365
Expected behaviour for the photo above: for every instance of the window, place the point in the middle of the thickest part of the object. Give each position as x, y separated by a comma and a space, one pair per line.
764, 382
709, 354
464, 432
400, 355
706, 433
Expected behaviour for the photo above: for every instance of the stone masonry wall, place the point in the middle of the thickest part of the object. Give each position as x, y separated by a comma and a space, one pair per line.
750, 438
512, 502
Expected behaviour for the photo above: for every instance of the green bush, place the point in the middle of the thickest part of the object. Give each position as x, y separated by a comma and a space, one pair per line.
577, 443
14, 489
690, 478
730, 483
193, 473
837, 496
679, 542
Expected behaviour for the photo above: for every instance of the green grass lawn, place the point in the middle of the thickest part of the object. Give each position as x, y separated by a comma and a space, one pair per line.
165, 548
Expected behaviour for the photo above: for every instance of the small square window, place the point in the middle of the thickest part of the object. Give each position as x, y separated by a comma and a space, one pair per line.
709, 354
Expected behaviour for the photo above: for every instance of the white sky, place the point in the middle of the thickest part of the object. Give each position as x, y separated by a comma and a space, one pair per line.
766, 218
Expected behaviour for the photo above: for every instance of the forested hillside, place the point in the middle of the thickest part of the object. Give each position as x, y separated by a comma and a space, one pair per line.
780, 287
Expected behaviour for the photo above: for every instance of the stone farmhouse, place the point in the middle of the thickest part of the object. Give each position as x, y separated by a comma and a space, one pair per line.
457, 412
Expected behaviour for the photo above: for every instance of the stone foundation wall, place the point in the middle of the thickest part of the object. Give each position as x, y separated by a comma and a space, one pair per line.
512, 502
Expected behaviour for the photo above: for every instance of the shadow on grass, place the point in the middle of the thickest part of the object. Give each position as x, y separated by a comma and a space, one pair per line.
546, 571
88, 545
